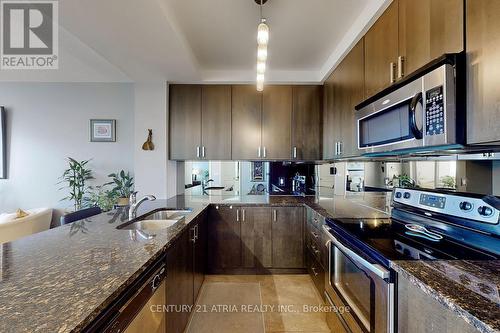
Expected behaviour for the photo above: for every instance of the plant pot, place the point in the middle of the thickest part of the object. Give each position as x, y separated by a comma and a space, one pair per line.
122, 202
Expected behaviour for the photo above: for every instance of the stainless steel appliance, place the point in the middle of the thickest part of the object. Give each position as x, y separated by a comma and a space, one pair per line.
425, 111
139, 308
424, 225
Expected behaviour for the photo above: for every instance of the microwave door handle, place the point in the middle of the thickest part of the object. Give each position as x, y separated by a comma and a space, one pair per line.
417, 133
374, 268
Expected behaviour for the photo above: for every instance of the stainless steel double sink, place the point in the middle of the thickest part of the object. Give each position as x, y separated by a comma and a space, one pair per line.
156, 220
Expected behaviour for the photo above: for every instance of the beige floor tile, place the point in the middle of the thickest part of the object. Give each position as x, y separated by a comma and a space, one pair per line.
295, 322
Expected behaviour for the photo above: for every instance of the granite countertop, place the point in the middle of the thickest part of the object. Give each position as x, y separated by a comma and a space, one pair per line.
61, 279
468, 288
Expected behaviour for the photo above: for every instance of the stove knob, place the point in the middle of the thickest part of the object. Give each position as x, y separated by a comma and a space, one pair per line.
485, 211
398, 195
465, 205
407, 195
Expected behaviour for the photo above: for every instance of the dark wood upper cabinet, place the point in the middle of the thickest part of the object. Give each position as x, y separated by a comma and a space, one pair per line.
185, 121
307, 122
276, 122
224, 230
216, 122
483, 56
381, 51
246, 122
256, 237
288, 237
428, 29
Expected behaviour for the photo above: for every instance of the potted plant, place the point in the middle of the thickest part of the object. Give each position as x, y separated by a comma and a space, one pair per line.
101, 197
75, 178
124, 186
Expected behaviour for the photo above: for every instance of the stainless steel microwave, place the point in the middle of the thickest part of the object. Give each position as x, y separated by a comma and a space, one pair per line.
425, 111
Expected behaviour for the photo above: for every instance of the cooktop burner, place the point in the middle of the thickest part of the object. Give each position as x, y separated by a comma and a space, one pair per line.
388, 239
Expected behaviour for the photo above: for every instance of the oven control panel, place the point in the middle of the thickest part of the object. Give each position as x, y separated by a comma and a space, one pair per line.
471, 208
434, 111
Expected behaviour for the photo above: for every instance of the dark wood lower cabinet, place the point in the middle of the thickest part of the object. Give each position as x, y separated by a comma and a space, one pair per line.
179, 283
224, 237
288, 237
256, 238
316, 272
199, 231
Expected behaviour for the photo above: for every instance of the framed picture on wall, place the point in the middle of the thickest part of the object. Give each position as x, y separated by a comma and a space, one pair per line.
102, 130
257, 171
3, 144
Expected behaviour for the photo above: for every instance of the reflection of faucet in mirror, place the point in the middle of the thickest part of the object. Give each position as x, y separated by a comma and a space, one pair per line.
204, 185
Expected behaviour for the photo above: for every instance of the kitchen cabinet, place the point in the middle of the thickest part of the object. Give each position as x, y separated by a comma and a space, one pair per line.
276, 122
179, 282
256, 237
483, 54
316, 272
427, 30
381, 51
344, 89
224, 230
307, 122
147, 320
200, 122
288, 237
199, 238
246, 122
185, 121
216, 122
419, 312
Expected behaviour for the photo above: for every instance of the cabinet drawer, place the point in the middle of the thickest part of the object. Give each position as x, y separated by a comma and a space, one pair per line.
315, 220
316, 272
314, 244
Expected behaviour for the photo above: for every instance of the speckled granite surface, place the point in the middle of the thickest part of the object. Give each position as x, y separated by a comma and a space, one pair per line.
59, 280
469, 288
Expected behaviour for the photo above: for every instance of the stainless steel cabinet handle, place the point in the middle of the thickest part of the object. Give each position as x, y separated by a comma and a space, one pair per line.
258, 151
196, 232
392, 69
237, 215
275, 217
315, 235
315, 249
203, 151
243, 215
401, 64
264, 152
294, 152
193, 238
198, 151
341, 148
314, 271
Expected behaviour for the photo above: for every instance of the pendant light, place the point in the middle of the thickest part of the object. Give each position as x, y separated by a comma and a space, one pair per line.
262, 41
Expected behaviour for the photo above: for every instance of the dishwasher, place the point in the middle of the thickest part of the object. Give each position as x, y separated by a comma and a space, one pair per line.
140, 308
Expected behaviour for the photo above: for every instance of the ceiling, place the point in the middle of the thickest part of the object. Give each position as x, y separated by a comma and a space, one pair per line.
202, 40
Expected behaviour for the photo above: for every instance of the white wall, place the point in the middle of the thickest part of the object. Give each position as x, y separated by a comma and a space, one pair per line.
151, 113
46, 122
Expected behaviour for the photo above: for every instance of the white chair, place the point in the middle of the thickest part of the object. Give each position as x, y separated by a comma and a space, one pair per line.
11, 228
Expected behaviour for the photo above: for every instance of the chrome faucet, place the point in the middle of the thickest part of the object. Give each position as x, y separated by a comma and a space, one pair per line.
134, 204
204, 185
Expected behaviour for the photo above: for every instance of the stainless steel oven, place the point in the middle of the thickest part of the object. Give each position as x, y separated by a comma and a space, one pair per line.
360, 289
426, 110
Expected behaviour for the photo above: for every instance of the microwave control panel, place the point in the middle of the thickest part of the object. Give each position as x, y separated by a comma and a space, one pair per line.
434, 111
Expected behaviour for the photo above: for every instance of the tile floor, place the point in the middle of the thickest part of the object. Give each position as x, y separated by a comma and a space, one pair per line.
258, 304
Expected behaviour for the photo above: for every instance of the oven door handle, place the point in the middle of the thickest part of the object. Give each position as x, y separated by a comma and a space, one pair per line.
417, 133
376, 269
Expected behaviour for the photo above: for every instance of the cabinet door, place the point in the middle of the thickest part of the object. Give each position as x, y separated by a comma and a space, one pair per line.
276, 122
428, 29
381, 49
224, 237
328, 119
199, 257
246, 122
483, 54
179, 282
288, 237
306, 122
147, 320
185, 121
256, 242
216, 122
353, 90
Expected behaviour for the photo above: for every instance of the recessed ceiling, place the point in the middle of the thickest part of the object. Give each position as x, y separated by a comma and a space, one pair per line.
203, 40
